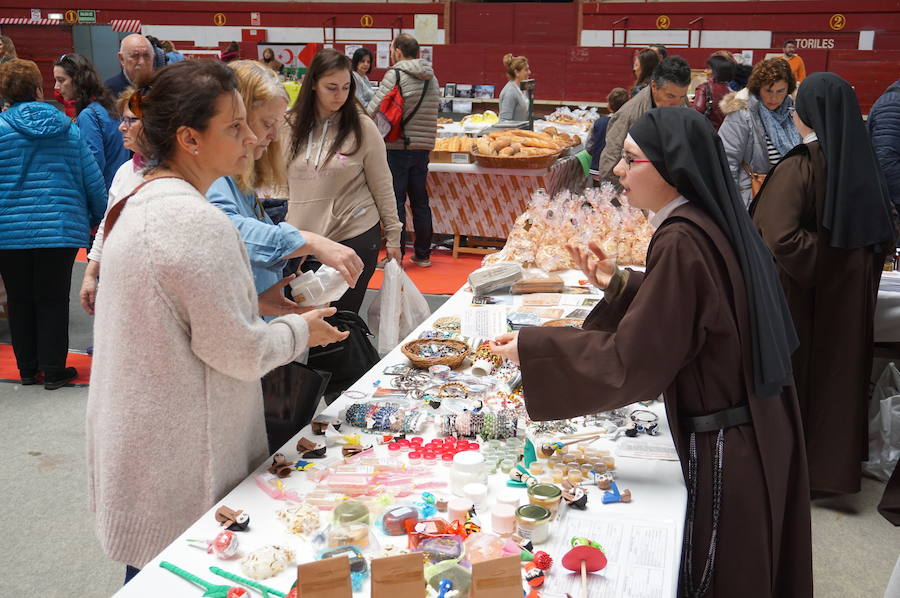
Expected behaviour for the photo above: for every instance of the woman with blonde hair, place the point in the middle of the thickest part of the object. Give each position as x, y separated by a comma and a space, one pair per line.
514, 103
270, 245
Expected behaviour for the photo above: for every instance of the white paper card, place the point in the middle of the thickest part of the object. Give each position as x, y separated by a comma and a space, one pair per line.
642, 557
647, 447
487, 322
382, 55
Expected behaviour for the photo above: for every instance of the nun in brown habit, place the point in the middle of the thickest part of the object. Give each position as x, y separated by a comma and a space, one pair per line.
707, 326
825, 214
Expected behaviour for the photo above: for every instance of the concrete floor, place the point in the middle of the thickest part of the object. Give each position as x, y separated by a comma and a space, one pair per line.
50, 549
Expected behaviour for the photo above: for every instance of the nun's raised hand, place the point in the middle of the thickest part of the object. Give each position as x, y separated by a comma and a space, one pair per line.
506, 346
591, 260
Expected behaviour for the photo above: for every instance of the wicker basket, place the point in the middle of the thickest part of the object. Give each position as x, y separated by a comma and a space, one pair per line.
454, 361
516, 162
564, 322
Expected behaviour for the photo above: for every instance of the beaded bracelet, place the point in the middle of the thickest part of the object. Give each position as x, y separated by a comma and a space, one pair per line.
356, 415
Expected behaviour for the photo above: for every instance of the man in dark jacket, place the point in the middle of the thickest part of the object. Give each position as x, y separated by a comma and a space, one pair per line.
884, 129
136, 56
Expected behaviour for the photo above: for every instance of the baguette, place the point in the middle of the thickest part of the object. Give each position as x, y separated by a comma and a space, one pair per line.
540, 143
484, 146
506, 151
501, 143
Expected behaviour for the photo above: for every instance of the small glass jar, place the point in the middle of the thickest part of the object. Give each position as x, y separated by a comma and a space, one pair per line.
547, 496
574, 476
610, 462
557, 476
536, 468
506, 465
533, 523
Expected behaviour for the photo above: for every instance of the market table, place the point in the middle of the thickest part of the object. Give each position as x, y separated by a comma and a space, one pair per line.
642, 538
467, 199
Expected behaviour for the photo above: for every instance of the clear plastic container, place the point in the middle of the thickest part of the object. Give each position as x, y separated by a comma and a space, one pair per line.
319, 288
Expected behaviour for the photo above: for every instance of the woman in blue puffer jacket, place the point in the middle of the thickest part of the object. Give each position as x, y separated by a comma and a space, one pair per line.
51, 194
95, 110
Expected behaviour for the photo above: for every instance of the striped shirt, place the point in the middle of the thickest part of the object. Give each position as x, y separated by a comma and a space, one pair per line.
772, 152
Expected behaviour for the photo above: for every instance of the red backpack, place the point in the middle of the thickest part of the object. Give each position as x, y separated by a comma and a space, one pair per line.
389, 117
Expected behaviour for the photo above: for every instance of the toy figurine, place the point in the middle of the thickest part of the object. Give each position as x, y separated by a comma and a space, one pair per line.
280, 466
309, 449
575, 496
235, 521
586, 556
613, 495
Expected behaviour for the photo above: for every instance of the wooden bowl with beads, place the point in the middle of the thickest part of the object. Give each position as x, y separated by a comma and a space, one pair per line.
412, 352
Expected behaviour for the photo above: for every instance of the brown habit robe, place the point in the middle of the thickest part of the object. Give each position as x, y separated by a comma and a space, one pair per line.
831, 293
683, 329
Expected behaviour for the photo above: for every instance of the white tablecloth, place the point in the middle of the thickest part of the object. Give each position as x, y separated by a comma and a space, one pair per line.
657, 486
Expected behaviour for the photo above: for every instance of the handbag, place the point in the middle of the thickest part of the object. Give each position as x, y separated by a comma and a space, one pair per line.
291, 394
756, 179
348, 359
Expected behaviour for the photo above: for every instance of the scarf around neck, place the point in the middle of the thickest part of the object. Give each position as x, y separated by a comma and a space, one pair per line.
779, 126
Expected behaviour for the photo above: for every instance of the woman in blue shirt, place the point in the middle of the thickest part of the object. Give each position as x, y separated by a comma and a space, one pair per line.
95, 109
270, 245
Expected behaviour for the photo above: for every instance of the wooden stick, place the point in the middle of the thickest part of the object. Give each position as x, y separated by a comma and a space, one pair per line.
584, 579
576, 441
582, 434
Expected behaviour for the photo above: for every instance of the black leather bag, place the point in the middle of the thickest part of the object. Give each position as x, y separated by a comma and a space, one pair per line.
291, 394
347, 360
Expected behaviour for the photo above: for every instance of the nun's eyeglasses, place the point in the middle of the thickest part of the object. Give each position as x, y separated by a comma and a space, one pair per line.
629, 161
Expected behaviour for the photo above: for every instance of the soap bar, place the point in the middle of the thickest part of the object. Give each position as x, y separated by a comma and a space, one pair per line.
393, 520
441, 548
351, 511
356, 534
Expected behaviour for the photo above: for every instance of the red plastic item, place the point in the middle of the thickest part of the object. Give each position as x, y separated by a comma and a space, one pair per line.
417, 440
430, 456
542, 560
415, 455
447, 457
585, 559
394, 447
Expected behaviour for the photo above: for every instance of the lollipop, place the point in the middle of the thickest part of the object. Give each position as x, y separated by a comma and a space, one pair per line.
224, 545
586, 556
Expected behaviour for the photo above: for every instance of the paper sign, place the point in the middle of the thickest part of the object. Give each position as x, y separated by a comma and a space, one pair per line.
398, 576
35, 14
426, 53
349, 49
426, 30
484, 322
325, 579
383, 55
499, 578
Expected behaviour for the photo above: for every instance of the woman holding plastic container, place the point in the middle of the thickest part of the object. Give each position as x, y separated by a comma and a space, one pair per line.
270, 245
338, 177
719, 350
175, 416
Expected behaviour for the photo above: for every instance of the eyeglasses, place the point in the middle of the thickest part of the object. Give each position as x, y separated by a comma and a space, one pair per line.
629, 161
128, 121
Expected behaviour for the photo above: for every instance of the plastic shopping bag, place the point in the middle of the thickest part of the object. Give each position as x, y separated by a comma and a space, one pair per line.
884, 425
399, 308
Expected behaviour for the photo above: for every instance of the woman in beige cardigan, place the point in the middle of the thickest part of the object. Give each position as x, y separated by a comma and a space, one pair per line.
175, 414
339, 180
